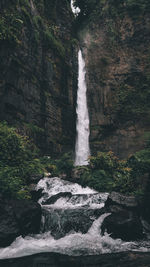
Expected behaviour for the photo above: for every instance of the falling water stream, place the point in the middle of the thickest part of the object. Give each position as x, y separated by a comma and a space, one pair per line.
82, 150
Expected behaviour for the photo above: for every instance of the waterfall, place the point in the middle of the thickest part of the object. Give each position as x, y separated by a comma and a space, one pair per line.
75, 10
82, 150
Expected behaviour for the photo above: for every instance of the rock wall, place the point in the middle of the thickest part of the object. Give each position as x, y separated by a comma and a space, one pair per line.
115, 41
38, 71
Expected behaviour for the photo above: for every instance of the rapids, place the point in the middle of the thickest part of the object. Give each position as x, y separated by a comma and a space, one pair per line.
87, 201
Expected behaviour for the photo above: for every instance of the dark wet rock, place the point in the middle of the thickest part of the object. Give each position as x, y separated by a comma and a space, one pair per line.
124, 224
117, 199
38, 82
62, 221
54, 198
124, 259
28, 216
19, 217
9, 229
36, 194
124, 221
145, 207
113, 126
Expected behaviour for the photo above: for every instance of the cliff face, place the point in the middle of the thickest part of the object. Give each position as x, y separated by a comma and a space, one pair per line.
38, 71
115, 41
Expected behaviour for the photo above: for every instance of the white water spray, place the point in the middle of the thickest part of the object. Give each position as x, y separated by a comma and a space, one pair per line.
75, 10
82, 150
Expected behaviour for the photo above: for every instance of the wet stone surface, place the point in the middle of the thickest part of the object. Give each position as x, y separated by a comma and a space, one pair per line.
130, 259
62, 221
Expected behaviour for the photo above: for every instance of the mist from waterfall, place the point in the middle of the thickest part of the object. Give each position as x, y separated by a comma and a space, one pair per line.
82, 150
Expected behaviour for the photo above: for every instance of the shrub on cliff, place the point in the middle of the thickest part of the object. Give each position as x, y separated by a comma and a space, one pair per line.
12, 146
56, 167
65, 164
106, 172
17, 163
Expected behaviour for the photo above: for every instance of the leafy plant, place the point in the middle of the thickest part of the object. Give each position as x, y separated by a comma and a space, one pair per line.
106, 172
18, 162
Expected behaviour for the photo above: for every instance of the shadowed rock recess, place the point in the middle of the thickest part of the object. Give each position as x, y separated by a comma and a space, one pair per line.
38, 71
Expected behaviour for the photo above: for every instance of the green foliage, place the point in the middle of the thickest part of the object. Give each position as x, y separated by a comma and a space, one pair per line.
49, 165
10, 27
136, 8
12, 149
17, 16
10, 181
64, 165
23, 193
140, 161
97, 179
132, 99
105, 161
106, 172
38, 22
17, 163
33, 131
51, 41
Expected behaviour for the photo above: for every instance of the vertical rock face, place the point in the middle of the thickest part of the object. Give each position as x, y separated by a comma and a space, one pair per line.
116, 48
38, 71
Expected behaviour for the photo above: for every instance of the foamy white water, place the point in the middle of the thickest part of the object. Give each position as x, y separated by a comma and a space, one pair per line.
91, 243
75, 10
80, 196
73, 243
53, 186
82, 149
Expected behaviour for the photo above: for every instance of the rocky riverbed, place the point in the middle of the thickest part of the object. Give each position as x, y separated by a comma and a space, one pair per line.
124, 259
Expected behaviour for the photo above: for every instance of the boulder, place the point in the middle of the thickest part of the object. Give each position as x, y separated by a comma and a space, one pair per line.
19, 217
117, 199
36, 194
124, 224
124, 221
28, 216
9, 229
145, 207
